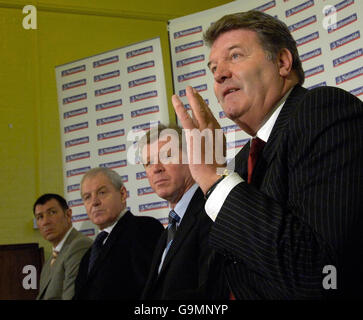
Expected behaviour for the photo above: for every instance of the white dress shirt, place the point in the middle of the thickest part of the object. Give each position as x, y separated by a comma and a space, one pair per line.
222, 190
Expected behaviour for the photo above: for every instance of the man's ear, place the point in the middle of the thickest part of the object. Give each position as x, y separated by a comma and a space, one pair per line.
284, 60
68, 213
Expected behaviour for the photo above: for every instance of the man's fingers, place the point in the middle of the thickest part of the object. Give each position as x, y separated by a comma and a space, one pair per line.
182, 113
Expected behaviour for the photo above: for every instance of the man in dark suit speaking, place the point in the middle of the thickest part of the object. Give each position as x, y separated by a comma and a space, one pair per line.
182, 258
289, 221
117, 264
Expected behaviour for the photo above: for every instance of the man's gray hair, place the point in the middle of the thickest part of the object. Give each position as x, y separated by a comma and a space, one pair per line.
112, 175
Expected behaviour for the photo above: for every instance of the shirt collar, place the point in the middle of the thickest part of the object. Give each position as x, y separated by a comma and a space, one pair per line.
109, 228
59, 246
265, 130
183, 203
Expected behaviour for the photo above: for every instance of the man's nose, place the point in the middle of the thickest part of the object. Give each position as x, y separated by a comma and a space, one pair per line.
221, 72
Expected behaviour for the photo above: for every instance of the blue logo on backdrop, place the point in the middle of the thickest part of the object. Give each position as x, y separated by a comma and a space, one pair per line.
187, 61
107, 90
303, 23
153, 206
187, 32
191, 75
103, 62
144, 111
73, 70
138, 52
342, 23
349, 75
266, 6
73, 187
108, 105
76, 142
141, 66
105, 76
74, 84
143, 96
75, 98
308, 38
78, 171
109, 150
348, 57
346, 39
78, 156
108, 120
111, 134
76, 127
74, 113
189, 46
139, 82
114, 164
299, 8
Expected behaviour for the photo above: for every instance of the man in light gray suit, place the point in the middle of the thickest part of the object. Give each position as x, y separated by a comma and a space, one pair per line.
54, 220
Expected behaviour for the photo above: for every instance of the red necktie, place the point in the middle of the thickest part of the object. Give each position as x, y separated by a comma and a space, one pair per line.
256, 146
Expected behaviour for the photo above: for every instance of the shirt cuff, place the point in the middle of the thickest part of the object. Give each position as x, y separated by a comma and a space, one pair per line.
220, 193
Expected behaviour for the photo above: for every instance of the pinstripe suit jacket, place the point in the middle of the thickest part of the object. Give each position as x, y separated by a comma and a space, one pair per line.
303, 209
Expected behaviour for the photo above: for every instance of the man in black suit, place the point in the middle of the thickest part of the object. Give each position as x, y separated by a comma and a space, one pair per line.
117, 264
293, 228
182, 258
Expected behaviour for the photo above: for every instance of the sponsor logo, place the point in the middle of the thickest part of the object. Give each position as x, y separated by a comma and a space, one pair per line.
114, 164
187, 105
109, 150
138, 52
75, 98
349, 75
308, 38
189, 46
139, 82
76, 142
231, 128
266, 6
88, 232
74, 187
108, 105
74, 113
342, 23
187, 32
73, 70
144, 111
108, 120
74, 84
143, 96
303, 23
348, 57
299, 8
78, 171
222, 115
314, 71
80, 217
311, 54
321, 84
105, 76
145, 126
103, 62
339, 6
202, 87
141, 66
357, 91
237, 143
75, 203
342, 41
111, 134
187, 61
78, 156
141, 175
144, 191
125, 178
153, 206
76, 127
191, 75
101, 92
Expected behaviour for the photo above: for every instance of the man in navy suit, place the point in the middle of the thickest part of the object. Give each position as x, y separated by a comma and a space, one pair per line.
293, 227
181, 264
117, 264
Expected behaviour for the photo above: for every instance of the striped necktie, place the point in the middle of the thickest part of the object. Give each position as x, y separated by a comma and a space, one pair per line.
96, 249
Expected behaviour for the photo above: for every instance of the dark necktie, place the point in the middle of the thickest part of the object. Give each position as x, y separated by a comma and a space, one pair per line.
256, 146
173, 220
96, 249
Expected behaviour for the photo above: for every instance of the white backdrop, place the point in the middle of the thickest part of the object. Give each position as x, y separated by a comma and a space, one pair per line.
105, 103
331, 53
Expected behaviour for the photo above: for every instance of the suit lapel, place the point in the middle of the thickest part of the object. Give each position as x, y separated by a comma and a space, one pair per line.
195, 207
277, 134
113, 236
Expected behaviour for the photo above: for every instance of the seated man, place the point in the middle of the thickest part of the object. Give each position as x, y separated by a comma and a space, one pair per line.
53, 218
184, 265
117, 264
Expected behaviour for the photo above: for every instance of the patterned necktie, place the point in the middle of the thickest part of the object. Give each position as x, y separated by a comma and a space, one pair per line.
173, 220
256, 147
54, 257
96, 249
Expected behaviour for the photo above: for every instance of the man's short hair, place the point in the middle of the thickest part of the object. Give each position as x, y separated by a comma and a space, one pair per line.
272, 33
49, 196
112, 175
155, 132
